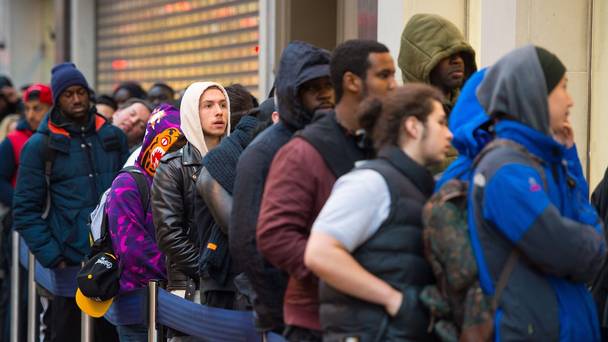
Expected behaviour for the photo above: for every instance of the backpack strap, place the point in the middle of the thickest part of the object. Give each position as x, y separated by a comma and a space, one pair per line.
49, 159
104, 243
505, 274
142, 185
504, 143
509, 265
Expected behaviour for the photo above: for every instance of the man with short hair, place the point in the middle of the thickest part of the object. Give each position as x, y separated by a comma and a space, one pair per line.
302, 88
161, 93
303, 172
106, 106
64, 168
37, 100
132, 118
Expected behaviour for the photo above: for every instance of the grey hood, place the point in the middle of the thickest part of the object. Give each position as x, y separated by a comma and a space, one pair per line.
515, 85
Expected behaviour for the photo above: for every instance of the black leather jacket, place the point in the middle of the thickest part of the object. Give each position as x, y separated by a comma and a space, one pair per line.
178, 212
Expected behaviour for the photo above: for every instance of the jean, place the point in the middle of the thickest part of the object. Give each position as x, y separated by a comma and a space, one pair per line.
132, 333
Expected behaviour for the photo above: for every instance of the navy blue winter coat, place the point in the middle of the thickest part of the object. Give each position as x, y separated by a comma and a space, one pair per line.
86, 161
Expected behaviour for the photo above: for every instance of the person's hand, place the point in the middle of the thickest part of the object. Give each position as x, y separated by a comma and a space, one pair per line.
565, 135
394, 303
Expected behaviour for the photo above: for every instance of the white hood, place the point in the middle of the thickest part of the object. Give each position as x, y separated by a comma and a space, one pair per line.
190, 120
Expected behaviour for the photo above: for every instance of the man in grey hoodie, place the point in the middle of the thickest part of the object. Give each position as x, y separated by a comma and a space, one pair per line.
533, 207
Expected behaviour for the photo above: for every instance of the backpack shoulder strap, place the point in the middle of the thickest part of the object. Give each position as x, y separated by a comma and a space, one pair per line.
536, 162
104, 242
142, 185
49, 158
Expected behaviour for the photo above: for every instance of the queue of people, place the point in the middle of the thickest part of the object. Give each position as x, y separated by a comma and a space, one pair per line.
307, 207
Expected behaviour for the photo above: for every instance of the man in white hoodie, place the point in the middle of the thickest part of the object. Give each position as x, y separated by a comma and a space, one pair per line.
177, 209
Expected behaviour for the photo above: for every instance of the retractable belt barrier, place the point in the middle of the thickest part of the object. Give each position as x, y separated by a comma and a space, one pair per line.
205, 322
200, 321
208, 323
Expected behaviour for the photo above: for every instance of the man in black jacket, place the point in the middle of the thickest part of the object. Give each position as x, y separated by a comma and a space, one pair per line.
179, 213
303, 87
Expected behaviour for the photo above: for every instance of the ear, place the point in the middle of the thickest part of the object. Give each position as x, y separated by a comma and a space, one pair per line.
352, 82
412, 127
275, 117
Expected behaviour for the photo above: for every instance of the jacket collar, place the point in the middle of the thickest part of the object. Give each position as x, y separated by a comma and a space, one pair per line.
418, 174
539, 144
190, 155
59, 125
23, 125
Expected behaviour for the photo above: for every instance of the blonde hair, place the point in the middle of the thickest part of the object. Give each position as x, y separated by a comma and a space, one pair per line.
6, 123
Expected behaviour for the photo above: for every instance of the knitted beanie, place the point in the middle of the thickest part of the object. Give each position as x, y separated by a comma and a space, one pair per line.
553, 68
65, 75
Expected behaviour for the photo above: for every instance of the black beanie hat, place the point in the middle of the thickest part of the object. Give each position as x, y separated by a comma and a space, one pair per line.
553, 68
65, 75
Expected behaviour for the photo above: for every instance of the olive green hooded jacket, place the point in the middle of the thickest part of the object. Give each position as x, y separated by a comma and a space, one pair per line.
426, 40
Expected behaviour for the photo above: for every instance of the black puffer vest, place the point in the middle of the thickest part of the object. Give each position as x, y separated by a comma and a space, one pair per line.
338, 148
394, 254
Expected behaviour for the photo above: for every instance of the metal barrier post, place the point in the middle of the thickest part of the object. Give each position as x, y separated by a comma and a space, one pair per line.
152, 302
15, 293
31, 298
86, 326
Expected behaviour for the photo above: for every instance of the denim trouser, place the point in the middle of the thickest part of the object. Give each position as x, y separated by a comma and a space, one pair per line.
132, 333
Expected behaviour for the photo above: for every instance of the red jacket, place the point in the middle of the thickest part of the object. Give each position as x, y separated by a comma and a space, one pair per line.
18, 138
298, 184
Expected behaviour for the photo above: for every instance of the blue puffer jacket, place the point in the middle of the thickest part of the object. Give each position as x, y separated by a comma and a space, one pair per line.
540, 209
86, 161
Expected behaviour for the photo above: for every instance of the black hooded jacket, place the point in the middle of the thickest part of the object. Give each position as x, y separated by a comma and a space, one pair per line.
300, 62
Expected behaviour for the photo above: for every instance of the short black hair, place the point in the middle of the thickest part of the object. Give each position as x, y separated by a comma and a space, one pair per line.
5, 81
134, 88
162, 85
34, 95
353, 56
106, 100
241, 102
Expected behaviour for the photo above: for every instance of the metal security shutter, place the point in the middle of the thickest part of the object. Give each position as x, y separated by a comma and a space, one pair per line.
176, 42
